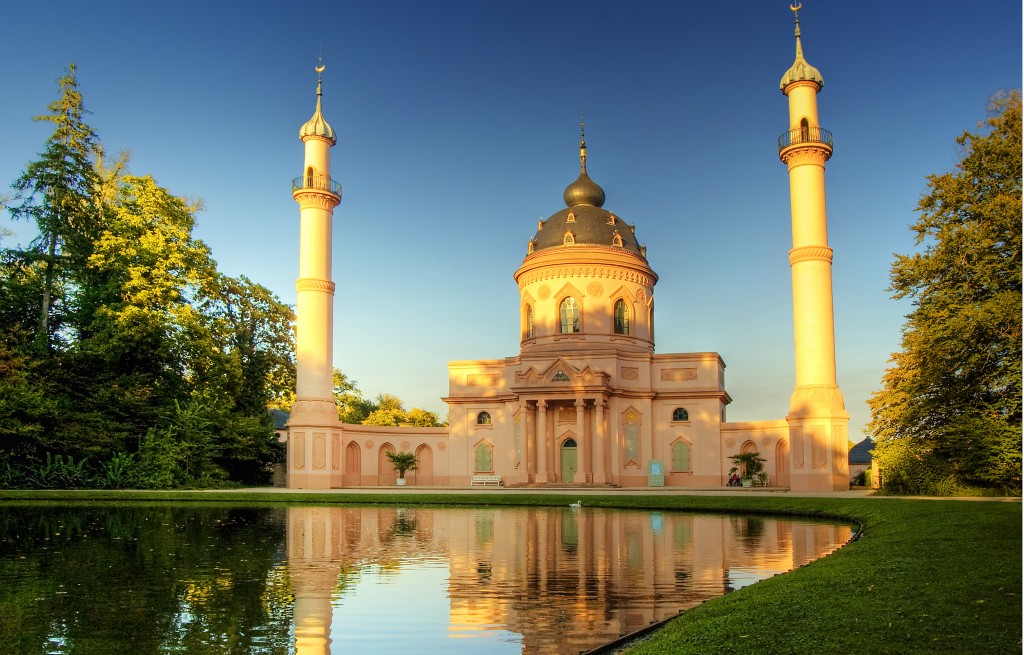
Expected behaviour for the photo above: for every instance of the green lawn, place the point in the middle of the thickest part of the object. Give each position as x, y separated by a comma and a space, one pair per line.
927, 576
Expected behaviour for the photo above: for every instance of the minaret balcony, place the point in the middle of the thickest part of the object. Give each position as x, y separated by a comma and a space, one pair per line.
807, 136
316, 183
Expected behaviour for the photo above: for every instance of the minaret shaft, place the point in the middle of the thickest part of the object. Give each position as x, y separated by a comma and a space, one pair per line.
811, 263
315, 290
817, 416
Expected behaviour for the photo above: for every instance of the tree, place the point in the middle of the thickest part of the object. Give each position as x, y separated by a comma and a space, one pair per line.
56, 192
123, 343
949, 413
352, 407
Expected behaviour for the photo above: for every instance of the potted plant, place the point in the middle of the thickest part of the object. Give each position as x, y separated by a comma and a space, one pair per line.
750, 464
402, 462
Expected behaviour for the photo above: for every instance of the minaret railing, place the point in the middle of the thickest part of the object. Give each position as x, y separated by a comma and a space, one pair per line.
808, 134
316, 183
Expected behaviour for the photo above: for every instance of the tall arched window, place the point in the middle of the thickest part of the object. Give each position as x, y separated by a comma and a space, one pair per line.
309, 177
805, 130
680, 456
529, 321
569, 312
483, 458
621, 317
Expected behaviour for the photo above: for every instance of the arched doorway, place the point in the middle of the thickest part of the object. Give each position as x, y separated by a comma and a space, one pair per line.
747, 448
424, 473
568, 459
782, 463
353, 465
386, 475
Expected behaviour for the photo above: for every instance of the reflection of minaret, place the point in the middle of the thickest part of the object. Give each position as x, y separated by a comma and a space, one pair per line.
314, 436
817, 416
313, 568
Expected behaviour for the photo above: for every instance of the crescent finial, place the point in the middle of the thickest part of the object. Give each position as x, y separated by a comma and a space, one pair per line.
320, 68
797, 7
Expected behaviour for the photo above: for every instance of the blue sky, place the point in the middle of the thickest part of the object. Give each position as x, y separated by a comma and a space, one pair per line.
457, 130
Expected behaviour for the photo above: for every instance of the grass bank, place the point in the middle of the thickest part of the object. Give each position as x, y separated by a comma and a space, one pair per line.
926, 576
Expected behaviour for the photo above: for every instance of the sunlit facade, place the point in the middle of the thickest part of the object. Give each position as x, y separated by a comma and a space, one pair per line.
587, 400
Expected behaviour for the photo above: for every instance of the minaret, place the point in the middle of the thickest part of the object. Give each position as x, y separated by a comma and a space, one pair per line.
817, 416
314, 434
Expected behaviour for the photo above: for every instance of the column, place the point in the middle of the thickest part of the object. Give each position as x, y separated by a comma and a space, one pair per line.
581, 448
524, 435
599, 445
542, 442
614, 448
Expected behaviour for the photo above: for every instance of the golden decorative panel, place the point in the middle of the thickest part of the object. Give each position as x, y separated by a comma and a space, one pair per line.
678, 374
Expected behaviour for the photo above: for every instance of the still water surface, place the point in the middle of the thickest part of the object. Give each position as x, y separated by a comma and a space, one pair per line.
318, 580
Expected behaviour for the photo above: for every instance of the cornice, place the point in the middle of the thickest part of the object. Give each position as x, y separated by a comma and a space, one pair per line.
584, 261
804, 153
316, 199
551, 271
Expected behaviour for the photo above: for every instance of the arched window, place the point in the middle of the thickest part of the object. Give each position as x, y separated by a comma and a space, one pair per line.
680, 456
621, 317
483, 458
483, 418
529, 321
805, 130
569, 312
309, 177
680, 414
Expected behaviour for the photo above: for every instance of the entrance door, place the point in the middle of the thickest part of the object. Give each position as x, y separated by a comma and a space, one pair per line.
568, 460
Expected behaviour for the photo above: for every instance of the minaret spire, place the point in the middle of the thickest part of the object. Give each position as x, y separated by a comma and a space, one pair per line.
317, 125
800, 70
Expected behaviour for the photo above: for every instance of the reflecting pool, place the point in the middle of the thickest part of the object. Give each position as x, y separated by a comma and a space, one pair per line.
319, 580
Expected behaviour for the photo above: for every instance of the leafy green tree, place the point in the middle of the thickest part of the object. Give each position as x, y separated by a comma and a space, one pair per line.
352, 407
255, 329
391, 411
949, 413
422, 418
386, 417
124, 345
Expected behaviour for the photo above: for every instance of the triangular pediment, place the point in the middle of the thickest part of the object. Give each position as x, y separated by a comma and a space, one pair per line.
561, 373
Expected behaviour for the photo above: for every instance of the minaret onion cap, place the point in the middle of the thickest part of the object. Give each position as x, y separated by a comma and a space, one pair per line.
317, 126
800, 70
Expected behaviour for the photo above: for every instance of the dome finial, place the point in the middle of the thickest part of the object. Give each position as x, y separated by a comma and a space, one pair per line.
796, 30
583, 144
583, 191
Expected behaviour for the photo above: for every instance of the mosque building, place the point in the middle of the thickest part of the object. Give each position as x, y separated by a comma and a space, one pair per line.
587, 400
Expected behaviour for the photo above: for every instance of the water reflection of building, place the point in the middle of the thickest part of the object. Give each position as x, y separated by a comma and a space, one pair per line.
565, 580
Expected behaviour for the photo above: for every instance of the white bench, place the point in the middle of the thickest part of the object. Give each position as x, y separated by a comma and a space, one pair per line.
486, 481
